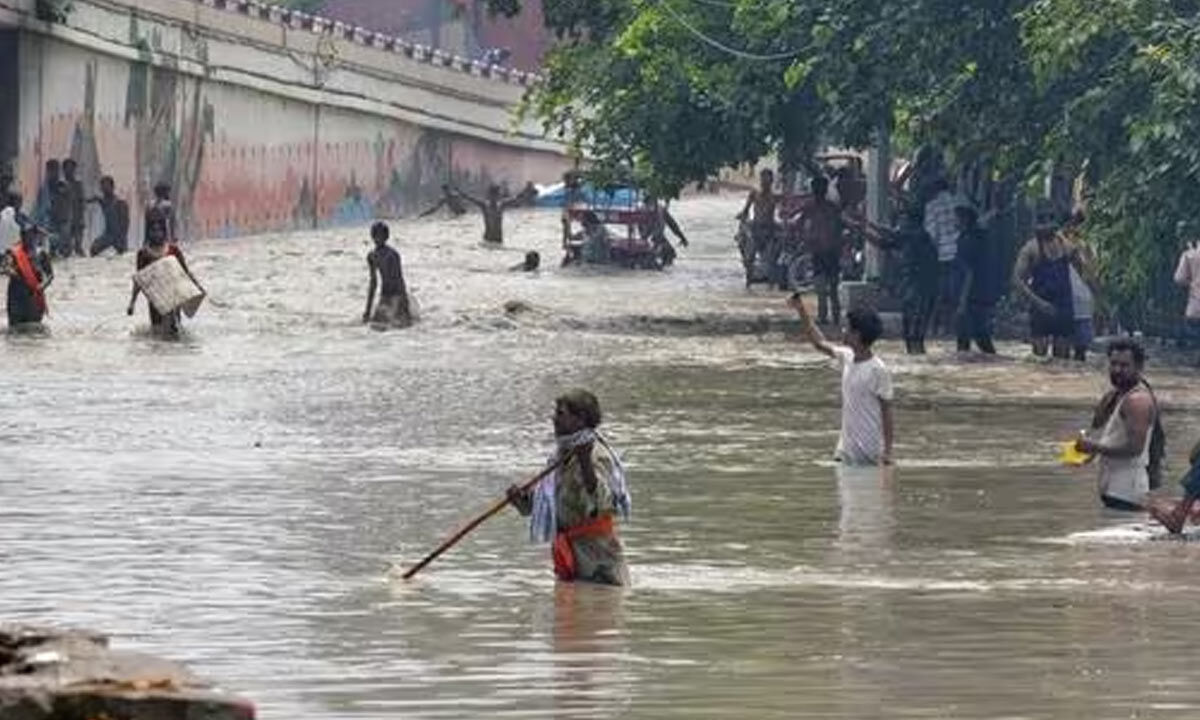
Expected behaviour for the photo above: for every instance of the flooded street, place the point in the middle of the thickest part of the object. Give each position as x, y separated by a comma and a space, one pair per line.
234, 501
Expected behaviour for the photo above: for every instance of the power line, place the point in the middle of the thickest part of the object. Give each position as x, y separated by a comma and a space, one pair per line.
743, 54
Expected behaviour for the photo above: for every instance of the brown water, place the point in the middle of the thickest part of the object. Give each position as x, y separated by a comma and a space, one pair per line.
234, 501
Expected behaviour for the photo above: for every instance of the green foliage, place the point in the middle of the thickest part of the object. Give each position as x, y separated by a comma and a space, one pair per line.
1110, 86
1127, 87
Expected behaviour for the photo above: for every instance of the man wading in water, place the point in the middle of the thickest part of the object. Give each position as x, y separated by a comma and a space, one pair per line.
493, 212
29, 274
576, 506
387, 273
156, 249
763, 227
867, 429
1123, 431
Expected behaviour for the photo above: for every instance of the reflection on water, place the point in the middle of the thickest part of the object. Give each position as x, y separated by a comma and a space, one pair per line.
235, 500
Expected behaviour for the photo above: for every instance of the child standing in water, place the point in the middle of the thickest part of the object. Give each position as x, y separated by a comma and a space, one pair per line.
867, 427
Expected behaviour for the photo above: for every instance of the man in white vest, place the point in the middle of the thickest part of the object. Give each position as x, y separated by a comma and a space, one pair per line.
1121, 431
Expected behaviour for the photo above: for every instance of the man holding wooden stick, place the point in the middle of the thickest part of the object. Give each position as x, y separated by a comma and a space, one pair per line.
576, 506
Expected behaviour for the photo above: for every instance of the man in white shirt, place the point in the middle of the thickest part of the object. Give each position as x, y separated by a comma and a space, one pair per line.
941, 224
867, 428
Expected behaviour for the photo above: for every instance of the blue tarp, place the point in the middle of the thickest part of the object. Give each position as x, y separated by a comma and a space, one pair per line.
553, 196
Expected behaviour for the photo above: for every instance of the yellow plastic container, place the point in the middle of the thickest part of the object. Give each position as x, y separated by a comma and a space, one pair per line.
1069, 455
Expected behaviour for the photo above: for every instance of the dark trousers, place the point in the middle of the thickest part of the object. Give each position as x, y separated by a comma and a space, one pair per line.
949, 282
976, 324
827, 270
104, 242
916, 309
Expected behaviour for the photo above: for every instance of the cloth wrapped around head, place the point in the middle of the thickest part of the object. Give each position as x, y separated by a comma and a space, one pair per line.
543, 522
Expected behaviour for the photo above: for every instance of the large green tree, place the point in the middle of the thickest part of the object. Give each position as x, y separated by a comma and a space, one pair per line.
1126, 77
674, 90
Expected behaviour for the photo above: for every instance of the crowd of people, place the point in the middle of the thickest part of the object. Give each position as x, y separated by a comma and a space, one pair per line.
949, 274
949, 277
54, 230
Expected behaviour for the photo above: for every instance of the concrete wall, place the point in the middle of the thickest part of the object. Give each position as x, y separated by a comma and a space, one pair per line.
262, 120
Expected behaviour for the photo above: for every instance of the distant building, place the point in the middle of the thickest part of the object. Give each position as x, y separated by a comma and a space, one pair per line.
458, 27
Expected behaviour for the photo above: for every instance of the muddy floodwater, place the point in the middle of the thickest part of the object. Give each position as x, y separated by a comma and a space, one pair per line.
235, 500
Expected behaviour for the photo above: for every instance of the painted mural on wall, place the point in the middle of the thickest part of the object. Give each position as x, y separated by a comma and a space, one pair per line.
241, 161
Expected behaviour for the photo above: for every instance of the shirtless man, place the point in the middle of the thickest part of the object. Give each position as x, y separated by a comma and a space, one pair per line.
160, 216
763, 226
493, 212
387, 274
821, 229
654, 230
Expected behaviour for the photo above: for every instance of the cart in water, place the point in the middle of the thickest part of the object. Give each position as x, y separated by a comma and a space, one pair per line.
621, 228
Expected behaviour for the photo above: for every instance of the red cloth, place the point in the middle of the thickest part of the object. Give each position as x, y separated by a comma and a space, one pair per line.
562, 552
29, 276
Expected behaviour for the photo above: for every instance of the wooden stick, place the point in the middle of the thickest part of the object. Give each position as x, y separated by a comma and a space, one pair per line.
495, 508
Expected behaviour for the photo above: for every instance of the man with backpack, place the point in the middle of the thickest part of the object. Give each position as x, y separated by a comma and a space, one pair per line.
1126, 435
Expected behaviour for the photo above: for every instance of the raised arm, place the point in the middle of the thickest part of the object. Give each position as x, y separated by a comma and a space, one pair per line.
473, 200
440, 204
1183, 271
877, 235
674, 227
749, 203
811, 332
